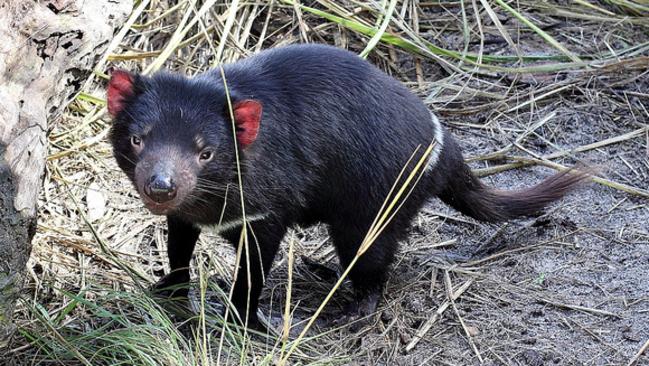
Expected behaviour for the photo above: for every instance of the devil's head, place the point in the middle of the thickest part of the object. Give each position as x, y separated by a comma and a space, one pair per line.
173, 136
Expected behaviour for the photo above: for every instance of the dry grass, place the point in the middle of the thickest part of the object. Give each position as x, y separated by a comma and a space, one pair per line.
522, 83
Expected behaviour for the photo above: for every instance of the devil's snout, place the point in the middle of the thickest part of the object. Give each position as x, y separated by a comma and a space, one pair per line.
160, 188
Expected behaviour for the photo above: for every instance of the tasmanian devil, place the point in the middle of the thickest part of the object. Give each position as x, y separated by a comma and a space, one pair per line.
321, 136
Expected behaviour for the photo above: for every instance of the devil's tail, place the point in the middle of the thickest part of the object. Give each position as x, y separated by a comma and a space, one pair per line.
466, 193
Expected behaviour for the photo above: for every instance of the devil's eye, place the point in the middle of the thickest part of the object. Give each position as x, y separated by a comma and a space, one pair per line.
136, 140
206, 155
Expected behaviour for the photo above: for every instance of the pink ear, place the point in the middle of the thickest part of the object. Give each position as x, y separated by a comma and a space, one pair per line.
247, 116
120, 87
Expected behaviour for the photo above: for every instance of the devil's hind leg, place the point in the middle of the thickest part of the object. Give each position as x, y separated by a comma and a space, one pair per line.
372, 268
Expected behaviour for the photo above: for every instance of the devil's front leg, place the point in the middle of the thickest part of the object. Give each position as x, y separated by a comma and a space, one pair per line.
255, 262
181, 240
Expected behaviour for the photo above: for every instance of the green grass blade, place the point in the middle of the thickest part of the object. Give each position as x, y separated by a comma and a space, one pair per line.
410, 46
384, 25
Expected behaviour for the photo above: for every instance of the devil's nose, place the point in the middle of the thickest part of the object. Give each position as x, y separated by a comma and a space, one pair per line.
161, 188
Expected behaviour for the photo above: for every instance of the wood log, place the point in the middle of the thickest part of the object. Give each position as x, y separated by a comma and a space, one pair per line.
48, 49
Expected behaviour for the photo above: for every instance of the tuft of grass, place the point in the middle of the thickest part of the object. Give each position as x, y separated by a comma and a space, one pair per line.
117, 328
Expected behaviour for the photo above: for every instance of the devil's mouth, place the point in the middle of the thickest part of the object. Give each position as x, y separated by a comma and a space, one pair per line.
159, 208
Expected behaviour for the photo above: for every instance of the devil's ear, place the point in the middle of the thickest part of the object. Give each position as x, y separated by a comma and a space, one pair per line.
247, 116
120, 88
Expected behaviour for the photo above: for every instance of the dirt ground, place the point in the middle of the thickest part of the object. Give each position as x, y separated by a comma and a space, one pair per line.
568, 287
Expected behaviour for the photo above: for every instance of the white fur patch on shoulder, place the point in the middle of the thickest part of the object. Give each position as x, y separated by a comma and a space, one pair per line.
439, 143
227, 225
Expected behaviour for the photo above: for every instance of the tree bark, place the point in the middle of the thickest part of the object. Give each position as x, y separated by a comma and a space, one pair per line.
47, 50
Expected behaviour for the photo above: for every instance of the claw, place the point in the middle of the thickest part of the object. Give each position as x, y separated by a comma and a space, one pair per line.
173, 285
358, 312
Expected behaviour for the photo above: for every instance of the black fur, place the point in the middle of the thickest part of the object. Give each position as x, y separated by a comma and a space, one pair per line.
335, 133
